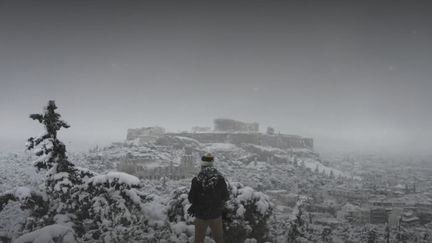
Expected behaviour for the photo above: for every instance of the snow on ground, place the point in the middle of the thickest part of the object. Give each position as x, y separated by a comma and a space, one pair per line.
220, 147
16, 169
312, 164
49, 234
12, 218
21, 192
258, 165
111, 176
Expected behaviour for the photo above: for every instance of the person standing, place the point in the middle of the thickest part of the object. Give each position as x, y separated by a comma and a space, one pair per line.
208, 194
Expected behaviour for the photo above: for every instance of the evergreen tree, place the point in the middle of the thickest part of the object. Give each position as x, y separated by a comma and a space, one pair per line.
109, 208
62, 174
52, 151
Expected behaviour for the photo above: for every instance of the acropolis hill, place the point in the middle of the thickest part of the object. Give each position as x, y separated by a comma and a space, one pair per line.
227, 131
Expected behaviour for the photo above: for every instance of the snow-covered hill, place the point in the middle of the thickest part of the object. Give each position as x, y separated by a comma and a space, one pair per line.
250, 169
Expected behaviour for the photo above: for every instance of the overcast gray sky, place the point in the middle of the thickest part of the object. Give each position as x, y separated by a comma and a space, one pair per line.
356, 73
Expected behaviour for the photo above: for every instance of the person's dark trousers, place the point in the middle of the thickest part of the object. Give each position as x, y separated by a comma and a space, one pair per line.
215, 227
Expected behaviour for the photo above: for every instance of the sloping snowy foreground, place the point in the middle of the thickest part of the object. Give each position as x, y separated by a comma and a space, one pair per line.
116, 207
49, 234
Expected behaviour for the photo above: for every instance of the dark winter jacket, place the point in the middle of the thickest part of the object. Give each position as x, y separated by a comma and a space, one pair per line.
208, 194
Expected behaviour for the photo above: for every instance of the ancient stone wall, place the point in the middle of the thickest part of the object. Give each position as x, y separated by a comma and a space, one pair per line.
285, 141
201, 129
144, 132
229, 125
278, 140
204, 137
226, 131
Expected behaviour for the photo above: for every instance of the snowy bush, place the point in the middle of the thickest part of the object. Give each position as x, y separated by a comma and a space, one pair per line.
13, 219
111, 208
104, 208
247, 214
181, 223
22, 200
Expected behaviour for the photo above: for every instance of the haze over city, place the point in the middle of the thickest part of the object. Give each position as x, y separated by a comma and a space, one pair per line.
216, 121
354, 75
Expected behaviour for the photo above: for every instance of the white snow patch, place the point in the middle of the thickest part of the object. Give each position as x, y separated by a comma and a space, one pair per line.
49, 234
312, 164
220, 147
249, 194
240, 211
111, 176
22, 192
12, 219
259, 165
181, 227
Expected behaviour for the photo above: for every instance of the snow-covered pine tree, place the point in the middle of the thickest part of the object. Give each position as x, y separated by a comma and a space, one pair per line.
62, 174
95, 208
52, 151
